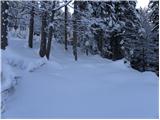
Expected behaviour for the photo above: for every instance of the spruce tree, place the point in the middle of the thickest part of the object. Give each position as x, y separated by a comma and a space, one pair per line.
4, 24
131, 33
154, 42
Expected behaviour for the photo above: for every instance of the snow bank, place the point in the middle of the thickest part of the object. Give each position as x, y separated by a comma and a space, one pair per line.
31, 66
8, 77
8, 81
12, 58
10, 61
21, 62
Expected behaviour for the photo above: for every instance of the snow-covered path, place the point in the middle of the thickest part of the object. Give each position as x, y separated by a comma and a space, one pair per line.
92, 87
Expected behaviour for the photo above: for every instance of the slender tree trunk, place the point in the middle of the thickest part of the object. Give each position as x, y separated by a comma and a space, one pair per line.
31, 29
50, 34
101, 41
65, 37
114, 47
42, 51
16, 24
75, 40
4, 24
87, 51
100, 38
144, 63
75, 32
49, 42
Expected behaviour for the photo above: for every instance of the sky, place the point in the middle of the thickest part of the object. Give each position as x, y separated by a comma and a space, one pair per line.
142, 3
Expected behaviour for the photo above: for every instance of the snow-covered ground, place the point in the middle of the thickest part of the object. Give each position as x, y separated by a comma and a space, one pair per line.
92, 87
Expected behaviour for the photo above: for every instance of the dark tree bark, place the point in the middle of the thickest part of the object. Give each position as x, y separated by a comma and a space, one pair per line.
31, 29
116, 47
75, 40
87, 51
50, 34
100, 40
75, 32
143, 60
4, 24
65, 37
42, 51
49, 42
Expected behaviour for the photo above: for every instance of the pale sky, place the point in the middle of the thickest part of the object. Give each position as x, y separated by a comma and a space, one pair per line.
142, 3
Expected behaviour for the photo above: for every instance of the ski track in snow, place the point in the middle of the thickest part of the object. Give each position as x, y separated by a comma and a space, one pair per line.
92, 87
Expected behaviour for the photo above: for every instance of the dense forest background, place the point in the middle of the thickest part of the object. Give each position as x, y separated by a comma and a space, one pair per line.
112, 29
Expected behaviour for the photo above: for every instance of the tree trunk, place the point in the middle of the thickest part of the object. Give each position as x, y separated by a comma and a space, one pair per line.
49, 42
4, 24
87, 51
143, 59
42, 51
99, 38
65, 37
116, 47
50, 34
31, 29
75, 32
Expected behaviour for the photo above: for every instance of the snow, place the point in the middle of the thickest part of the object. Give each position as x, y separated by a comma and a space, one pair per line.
8, 80
92, 87
87, 43
22, 62
6, 11
8, 77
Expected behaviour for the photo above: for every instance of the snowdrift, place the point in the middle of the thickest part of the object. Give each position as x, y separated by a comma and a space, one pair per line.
10, 61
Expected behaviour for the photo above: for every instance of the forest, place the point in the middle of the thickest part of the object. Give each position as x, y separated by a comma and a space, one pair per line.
85, 45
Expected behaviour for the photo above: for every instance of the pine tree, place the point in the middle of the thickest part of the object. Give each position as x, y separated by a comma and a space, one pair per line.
84, 34
131, 32
117, 33
4, 24
97, 30
113, 30
144, 40
154, 43
106, 29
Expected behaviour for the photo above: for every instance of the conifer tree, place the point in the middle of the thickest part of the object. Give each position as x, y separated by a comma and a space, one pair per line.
4, 24
154, 43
